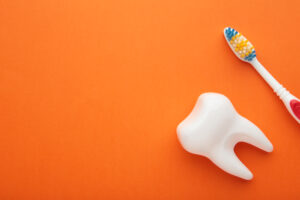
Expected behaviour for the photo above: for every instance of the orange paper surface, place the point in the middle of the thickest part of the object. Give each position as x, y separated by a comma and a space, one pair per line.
92, 91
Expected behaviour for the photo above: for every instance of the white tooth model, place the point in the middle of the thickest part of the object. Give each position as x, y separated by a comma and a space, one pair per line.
212, 130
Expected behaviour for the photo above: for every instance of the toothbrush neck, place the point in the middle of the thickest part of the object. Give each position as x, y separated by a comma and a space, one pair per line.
274, 84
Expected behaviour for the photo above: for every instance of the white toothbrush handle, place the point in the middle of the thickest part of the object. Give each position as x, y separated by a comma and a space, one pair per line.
291, 102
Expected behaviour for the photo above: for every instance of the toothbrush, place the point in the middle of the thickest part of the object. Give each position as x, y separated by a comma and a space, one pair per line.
245, 51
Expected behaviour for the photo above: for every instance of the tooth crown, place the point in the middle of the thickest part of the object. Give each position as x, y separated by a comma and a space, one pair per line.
214, 127
207, 111
239, 44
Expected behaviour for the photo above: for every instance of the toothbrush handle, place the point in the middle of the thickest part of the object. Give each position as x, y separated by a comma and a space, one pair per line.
291, 102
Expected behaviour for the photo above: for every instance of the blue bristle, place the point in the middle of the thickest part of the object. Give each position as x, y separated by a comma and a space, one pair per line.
250, 56
230, 32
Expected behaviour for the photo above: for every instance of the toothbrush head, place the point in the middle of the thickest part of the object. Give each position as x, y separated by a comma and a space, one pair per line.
242, 48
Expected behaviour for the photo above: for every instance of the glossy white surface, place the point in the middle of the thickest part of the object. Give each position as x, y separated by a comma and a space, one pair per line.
212, 130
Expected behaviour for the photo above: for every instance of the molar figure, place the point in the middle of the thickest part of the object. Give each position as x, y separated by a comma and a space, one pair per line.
212, 130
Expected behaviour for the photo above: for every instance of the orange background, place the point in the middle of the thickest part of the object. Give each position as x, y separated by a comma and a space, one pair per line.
92, 92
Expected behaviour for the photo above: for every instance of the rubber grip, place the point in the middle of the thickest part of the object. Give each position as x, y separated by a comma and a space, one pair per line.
295, 105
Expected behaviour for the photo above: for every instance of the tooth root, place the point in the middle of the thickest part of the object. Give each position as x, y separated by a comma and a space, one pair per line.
246, 131
229, 162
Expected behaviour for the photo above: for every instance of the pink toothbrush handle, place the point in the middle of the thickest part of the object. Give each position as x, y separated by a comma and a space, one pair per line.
295, 107
291, 102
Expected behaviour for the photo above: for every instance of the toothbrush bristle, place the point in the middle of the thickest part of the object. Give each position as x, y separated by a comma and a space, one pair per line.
240, 45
